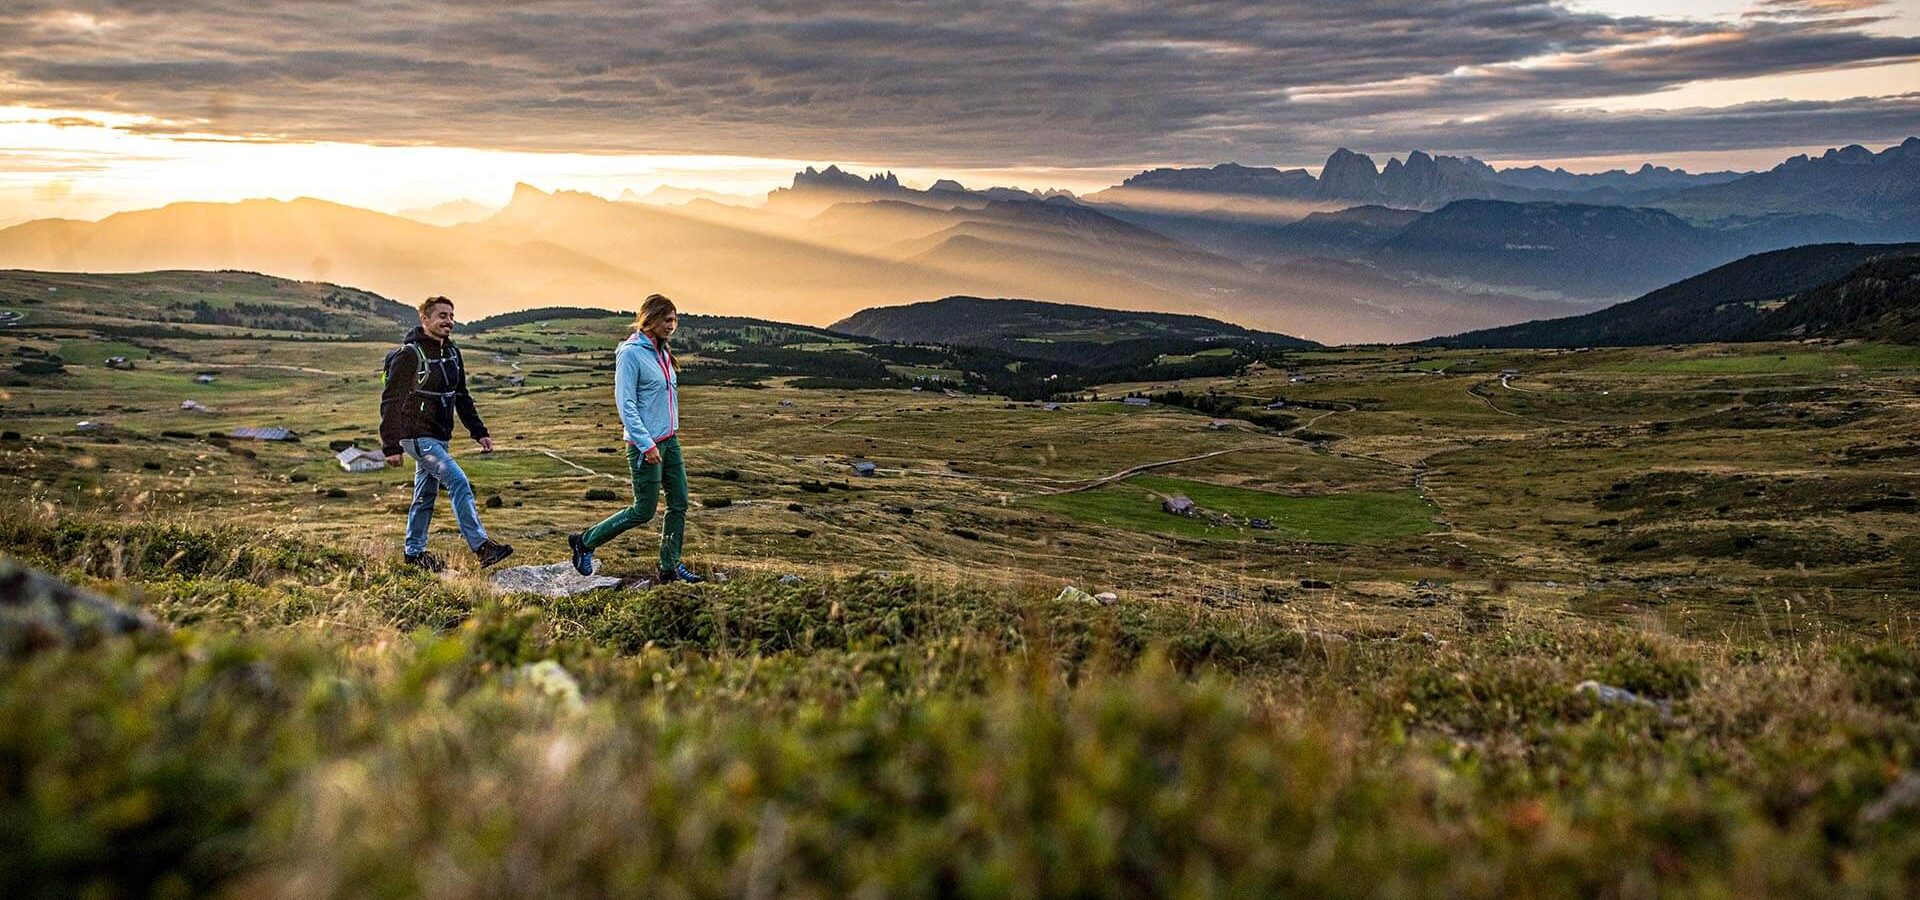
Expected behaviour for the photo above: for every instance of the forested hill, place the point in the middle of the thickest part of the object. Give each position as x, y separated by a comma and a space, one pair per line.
1879, 300
1059, 331
1761, 297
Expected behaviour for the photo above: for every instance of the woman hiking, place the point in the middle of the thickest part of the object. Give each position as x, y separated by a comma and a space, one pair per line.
646, 392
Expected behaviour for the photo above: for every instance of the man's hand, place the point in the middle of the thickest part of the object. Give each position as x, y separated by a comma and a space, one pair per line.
393, 459
652, 456
486, 445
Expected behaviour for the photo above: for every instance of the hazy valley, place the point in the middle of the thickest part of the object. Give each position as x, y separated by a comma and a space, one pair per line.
1418, 250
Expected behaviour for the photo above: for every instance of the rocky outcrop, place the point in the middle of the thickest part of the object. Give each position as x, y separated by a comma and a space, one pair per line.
1349, 176
39, 611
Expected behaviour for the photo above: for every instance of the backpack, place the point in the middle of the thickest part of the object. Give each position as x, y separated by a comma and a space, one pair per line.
422, 366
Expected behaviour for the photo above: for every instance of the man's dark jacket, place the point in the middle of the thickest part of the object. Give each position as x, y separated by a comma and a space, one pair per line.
412, 407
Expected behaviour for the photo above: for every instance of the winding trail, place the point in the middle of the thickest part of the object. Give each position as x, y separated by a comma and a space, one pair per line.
1124, 474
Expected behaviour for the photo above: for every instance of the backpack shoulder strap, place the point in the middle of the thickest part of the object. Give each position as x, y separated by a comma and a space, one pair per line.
420, 368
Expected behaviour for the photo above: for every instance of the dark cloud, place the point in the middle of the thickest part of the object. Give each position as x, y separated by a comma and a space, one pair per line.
1068, 82
1872, 121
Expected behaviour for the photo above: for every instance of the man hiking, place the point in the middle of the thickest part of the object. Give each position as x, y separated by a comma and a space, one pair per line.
425, 384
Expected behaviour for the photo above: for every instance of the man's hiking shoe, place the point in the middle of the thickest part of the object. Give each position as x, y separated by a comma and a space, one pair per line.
582, 557
491, 552
679, 573
426, 562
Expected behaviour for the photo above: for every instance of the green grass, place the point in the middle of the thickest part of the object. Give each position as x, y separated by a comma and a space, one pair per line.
1177, 359
1883, 356
93, 353
1362, 517
855, 346
925, 372
1789, 363
1742, 360
322, 721
320, 724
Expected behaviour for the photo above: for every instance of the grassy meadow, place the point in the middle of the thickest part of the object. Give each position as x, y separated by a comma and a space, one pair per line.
888, 696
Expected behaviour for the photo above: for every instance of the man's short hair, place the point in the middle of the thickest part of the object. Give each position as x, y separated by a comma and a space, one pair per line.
427, 305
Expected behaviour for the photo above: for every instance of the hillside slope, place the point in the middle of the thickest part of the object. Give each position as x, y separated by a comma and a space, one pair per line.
1055, 331
1879, 300
208, 303
1731, 302
315, 239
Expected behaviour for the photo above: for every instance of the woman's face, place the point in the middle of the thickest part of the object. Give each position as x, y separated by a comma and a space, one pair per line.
665, 326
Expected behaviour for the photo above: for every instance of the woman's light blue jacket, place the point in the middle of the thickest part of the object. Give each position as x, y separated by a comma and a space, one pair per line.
646, 388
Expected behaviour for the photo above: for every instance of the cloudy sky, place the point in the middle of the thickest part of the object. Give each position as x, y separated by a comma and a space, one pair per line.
407, 102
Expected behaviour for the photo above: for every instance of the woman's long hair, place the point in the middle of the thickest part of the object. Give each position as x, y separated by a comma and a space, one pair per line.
656, 307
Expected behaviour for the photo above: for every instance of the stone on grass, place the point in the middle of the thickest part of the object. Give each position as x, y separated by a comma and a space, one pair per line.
39, 611
1071, 594
1615, 696
1107, 598
554, 580
1900, 796
789, 579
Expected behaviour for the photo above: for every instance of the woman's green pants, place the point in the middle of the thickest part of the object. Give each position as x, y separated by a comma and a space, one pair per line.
647, 480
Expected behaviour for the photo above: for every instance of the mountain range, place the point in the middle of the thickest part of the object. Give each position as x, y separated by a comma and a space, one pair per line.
1359, 253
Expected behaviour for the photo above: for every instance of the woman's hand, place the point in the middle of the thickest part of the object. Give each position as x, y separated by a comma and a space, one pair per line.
652, 456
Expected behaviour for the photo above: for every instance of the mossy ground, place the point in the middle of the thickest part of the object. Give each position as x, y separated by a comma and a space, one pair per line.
1735, 541
319, 724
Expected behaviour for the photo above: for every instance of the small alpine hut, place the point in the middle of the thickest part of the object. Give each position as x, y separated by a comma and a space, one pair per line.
1179, 505
354, 459
864, 469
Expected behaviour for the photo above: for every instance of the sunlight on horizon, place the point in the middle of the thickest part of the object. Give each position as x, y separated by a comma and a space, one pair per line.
88, 164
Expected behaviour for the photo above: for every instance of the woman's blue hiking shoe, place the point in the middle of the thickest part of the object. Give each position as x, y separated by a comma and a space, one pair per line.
679, 573
582, 557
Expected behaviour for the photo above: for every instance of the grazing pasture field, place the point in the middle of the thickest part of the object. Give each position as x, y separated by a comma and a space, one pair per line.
891, 695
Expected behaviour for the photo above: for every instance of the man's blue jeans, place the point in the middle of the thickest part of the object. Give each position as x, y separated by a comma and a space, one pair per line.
434, 468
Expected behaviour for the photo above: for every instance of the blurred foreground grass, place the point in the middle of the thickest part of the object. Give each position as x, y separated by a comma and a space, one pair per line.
321, 725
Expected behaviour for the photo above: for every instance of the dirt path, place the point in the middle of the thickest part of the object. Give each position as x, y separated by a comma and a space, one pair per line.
1504, 382
304, 370
1124, 474
545, 452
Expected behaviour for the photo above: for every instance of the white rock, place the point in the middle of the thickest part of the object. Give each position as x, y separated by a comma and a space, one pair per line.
1075, 595
556, 580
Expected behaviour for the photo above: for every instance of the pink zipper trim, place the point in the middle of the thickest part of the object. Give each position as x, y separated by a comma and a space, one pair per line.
665, 360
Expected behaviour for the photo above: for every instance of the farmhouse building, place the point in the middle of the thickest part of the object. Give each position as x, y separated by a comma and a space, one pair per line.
354, 459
